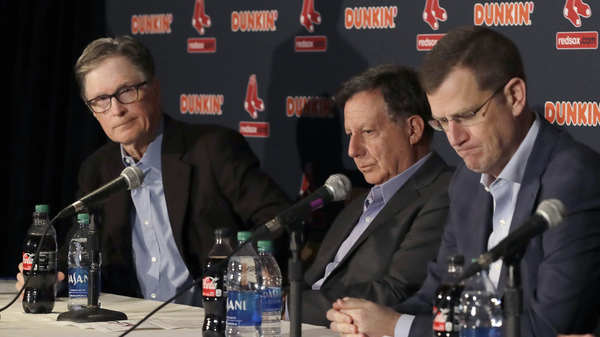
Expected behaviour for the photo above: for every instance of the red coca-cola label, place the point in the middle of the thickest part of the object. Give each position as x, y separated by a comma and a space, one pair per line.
210, 287
440, 320
28, 261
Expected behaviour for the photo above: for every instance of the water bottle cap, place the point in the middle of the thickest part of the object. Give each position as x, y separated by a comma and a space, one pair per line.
83, 216
42, 208
243, 236
265, 244
223, 232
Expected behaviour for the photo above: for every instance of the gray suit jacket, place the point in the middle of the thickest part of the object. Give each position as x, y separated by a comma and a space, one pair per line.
560, 274
388, 262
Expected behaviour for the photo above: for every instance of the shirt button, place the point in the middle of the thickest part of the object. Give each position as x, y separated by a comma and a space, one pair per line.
502, 223
153, 295
497, 266
486, 188
146, 222
153, 259
368, 219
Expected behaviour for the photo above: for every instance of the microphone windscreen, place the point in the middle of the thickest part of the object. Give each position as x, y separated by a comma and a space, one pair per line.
339, 185
134, 177
553, 210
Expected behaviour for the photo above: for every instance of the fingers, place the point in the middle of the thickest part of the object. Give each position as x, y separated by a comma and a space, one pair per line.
61, 276
351, 303
344, 328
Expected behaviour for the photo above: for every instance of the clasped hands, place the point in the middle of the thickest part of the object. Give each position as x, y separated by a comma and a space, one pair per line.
353, 317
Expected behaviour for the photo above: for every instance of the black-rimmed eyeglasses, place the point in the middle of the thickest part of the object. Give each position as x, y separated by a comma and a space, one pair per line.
125, 95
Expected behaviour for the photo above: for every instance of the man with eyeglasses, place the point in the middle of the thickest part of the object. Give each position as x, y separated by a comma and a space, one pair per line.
155, 239
513, 160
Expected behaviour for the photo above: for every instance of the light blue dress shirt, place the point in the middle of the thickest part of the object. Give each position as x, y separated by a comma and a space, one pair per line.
504, 190
376, 200
160, 268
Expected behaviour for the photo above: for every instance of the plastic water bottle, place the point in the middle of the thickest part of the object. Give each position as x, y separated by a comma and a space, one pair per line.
40, 293
480, 309
271, 292
79, 265
244, 291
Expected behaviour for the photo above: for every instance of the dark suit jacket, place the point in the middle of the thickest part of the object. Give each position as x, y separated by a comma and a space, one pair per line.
560, 274
211, 180
388, 263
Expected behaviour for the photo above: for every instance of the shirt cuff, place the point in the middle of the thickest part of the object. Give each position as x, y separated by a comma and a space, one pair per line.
403, 325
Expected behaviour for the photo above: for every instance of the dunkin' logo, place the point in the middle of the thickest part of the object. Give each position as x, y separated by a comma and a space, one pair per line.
311, 107
381, 17
503, 14
200, 20
433, 14
254, 21
199, 104
252, 103
151, 24
575, 10
573, 113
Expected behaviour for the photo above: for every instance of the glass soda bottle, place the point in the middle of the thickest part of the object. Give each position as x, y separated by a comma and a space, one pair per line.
214, 294
40, 293
445, 309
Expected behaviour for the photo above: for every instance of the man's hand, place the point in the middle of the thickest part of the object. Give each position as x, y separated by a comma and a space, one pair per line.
21, 279
360, 318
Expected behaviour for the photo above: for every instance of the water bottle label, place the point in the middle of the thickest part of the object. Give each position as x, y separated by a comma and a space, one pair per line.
78, 282
271, 301
46, 262
243, 308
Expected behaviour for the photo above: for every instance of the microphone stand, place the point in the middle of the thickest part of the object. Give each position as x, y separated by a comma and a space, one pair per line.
93, 312
513, 295
296, 276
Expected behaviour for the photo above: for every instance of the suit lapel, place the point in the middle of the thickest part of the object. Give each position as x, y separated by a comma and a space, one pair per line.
176, 176
403, 198
527, 199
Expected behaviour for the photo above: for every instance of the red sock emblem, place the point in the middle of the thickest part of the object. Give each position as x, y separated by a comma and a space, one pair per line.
309, 17
434, 13
575, 9
200, 19
252, 102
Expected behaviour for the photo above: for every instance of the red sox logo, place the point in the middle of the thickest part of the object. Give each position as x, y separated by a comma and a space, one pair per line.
252, 102
434, 13
200, 19
576, 9
308, 17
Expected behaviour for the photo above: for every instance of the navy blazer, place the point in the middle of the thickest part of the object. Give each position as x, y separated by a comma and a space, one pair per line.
560, 268
388, 262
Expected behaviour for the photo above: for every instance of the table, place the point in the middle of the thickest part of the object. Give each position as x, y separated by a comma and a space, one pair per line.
15, 323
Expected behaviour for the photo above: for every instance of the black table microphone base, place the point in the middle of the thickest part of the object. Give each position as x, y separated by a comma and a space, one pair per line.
91, 315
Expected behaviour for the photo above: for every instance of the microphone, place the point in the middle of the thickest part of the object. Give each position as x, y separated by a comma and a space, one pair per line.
336, 188
131, 178
549, 214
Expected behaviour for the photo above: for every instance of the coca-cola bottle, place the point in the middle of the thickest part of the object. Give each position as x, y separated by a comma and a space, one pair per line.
447, 299
214, 295
39, 294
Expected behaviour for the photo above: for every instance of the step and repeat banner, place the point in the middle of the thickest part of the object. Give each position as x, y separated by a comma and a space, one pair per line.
269, 68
